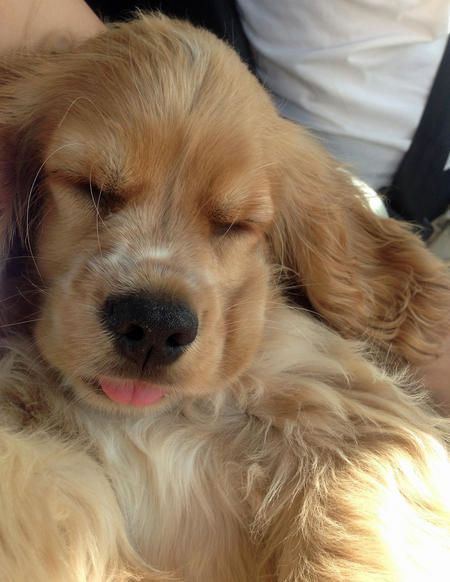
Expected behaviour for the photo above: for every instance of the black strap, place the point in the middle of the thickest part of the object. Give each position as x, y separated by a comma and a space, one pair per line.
420, 190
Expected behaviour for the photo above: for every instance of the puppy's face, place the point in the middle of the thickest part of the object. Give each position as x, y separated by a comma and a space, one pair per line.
156, 203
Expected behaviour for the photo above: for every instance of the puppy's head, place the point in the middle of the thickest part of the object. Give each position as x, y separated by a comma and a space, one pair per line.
145, 176
155, 189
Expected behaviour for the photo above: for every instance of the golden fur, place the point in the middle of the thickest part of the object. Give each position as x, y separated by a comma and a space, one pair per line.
149, 158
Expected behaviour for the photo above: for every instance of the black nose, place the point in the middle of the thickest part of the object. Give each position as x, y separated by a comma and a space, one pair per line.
150, 330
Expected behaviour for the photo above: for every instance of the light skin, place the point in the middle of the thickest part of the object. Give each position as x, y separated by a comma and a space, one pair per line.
30, 24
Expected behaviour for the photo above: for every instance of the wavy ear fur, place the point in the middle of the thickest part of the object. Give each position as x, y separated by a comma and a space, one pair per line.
368, 277
20, 125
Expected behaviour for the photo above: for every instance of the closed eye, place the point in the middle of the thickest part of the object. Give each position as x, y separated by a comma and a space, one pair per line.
102, 198
230, 228
91, 190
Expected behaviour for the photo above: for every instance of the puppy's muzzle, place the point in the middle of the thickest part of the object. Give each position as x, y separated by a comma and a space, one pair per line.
149, 330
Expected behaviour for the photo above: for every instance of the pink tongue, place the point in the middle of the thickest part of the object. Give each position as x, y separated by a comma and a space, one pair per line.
131, 392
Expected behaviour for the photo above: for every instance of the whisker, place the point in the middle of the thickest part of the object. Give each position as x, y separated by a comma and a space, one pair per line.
17, 323
29, 198
35, 286
21, 257
97, 211
74, 102
11, 297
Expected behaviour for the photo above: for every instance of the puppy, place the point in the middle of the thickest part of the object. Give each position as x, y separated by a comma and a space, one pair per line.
170, 410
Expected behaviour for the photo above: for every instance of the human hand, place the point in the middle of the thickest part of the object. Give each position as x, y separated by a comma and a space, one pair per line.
30, 24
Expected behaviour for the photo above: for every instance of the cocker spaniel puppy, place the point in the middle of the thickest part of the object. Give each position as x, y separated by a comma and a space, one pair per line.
170, 410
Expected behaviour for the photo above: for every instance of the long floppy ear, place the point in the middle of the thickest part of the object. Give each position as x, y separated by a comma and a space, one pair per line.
6, 201
7, 170
367, 277
19, 160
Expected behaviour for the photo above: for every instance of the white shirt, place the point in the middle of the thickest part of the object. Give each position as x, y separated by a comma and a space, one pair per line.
356, 72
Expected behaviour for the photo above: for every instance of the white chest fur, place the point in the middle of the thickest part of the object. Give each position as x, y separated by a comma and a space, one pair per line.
179, 492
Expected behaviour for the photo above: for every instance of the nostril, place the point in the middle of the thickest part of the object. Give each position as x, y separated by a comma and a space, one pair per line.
180, 339
149, 328
174, 341
133, 333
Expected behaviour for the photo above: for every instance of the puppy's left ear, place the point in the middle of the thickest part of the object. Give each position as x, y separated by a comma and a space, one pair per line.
367, 277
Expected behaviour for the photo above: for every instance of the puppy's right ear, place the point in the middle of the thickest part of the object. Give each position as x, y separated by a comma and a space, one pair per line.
18, 149
7, 158
21, 81
6, 201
